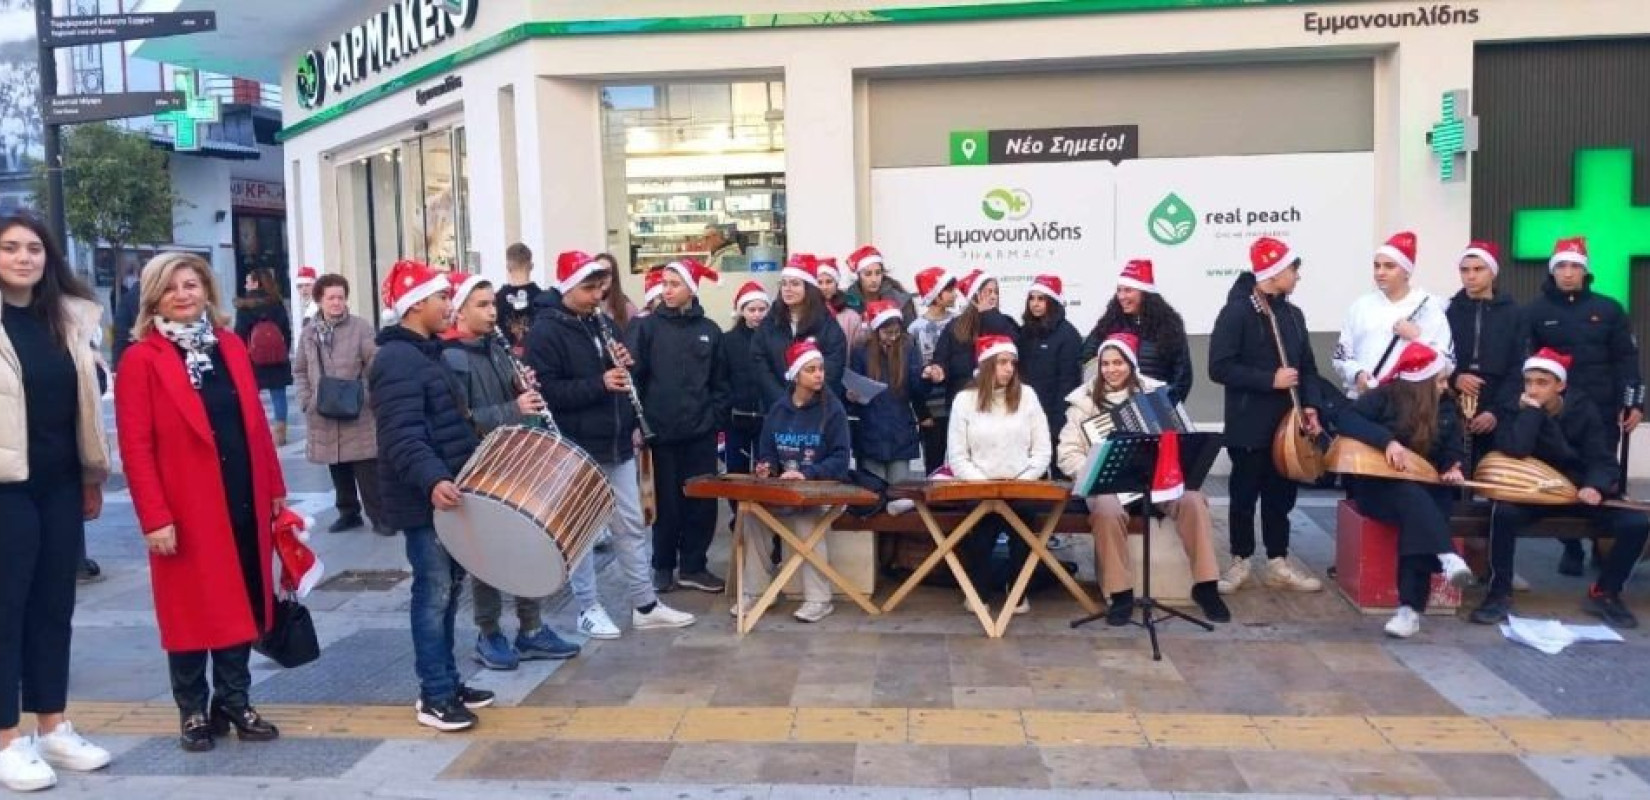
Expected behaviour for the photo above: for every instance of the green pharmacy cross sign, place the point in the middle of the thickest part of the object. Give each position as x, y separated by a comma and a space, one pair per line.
186, 122
1617, 231
1453, 136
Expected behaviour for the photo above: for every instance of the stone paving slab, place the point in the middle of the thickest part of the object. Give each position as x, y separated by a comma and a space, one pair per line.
288, 757
369, 667
1586, 680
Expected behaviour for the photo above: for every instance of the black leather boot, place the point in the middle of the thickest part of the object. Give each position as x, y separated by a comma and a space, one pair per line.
196, 733
249, 725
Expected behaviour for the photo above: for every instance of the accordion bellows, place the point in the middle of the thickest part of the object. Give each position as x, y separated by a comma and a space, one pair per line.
1144, 412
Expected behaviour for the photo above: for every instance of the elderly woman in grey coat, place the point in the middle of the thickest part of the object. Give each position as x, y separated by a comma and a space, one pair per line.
338, 344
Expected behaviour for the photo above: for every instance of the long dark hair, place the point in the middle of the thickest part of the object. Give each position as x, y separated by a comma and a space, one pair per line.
885, 361
1097, 392
56, 283
1417, 404
1160, 324
617, 302
265, 278
1041, 327
813, 310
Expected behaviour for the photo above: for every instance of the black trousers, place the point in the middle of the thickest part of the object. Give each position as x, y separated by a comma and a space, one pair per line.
231, 678
1630, 529
42, 535
933, 444
975, 551
1253, 480
1421, 515
685, 526
355, 483
1612, 436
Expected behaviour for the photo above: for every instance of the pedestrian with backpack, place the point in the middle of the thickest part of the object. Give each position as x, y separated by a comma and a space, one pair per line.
262, 321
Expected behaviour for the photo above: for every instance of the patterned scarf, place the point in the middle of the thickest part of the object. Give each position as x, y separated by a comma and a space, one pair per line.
197, 341
325, 327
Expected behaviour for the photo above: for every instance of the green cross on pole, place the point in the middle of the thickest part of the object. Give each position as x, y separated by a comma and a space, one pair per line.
1617, 231
196, 111
1453, 136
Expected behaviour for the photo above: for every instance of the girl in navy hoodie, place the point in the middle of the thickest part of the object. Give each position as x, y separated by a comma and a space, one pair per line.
887, 436
805, 437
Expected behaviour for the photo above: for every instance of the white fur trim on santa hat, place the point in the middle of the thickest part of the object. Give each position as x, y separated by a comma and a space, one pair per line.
1038, 288
1569, 256
1141, 285
1547, 365
464, 289
801, 275
687, 276
886, 315
1481, 253
581, 275
1124, 348
796, 369
1431, 370
1396, 255
1277, 269
436, 284
999, 349
740, 301
856, 266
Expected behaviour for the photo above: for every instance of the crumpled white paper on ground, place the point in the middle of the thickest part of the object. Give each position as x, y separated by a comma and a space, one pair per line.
1551, 636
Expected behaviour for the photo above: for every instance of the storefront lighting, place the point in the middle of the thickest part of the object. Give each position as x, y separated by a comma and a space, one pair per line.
1617, 231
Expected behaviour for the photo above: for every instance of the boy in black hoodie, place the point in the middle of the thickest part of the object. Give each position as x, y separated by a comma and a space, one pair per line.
424, 439
483, 369
1483, 321
682, 375
1564, 430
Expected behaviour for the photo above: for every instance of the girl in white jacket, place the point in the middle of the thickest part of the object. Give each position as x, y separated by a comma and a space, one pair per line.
998, 432
1119, 380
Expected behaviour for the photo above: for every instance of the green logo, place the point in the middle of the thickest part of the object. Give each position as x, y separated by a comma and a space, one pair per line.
1001, 204
1616, 230
1172, 222
970, 148
310, 91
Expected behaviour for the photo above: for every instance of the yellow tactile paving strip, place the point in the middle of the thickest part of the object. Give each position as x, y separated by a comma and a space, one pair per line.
941, 727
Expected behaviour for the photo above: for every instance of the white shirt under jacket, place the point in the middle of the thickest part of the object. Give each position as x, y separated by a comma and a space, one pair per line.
1368, 330
998, 445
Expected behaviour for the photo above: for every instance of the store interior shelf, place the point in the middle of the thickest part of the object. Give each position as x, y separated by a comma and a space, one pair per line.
711, 212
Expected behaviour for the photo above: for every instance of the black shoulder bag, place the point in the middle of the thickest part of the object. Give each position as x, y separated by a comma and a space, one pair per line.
337, 398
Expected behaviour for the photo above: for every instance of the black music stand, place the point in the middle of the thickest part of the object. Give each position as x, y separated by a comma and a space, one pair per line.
1128, 466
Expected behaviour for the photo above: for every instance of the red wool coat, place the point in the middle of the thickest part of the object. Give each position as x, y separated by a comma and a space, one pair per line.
171, 464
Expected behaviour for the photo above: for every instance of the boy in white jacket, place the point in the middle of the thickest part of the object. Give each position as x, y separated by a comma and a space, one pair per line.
1385, 319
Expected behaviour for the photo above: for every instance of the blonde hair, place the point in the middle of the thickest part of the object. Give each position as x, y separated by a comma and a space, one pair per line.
157, 276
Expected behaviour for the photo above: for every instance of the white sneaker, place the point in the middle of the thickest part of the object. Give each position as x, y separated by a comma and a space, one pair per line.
21, 768
1519, 584
1404, 624
65, 749
813, 612
745, 603
1024, 607
1456, 570
1235, 576
1281, 573
596, 624
900, 506
662, 616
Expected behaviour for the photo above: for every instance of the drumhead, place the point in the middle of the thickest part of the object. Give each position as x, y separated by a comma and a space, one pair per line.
502, 547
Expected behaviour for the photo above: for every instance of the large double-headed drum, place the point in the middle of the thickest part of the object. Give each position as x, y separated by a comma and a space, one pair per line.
533, 505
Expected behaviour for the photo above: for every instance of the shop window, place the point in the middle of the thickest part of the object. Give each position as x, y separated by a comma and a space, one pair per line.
701, 170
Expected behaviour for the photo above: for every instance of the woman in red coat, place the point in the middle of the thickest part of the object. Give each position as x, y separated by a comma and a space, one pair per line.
205, 482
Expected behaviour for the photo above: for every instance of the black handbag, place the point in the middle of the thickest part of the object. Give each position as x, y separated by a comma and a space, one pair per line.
337, 398
291, 640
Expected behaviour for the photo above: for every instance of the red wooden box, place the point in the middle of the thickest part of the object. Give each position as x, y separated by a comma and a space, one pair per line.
1366, 565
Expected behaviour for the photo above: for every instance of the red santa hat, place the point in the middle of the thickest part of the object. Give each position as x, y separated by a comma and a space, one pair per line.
880, 311
1573, 250
1269, 257
752, 290
932, 282
828, 264
1049, 286
864, 257
1126, 343
462, 285
1139, 274
993, 345
1400, 248
306, 274
301, 569
1549, 360
653, 285
803, 267
1486, 251
1416, 363
1168, 482
973, 282
575, 267
798, 355
410, 283
692, 272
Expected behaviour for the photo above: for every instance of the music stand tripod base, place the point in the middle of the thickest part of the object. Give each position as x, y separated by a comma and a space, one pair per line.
1127, 467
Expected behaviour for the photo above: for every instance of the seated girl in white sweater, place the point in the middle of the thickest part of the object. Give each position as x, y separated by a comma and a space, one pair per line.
997, 432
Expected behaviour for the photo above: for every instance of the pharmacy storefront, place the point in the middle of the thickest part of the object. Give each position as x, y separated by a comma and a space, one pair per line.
1024, 137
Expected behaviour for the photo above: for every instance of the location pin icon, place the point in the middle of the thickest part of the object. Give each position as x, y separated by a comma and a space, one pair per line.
969, 147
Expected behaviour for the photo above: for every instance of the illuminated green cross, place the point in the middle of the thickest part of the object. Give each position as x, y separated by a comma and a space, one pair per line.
1453, 137
1616, 230
196, 111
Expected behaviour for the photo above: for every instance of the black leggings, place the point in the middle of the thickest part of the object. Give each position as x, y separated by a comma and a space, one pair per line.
42, 535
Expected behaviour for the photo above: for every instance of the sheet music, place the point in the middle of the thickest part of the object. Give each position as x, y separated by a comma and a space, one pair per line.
862, 388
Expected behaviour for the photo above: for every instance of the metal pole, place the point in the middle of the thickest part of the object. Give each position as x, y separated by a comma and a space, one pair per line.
56, 217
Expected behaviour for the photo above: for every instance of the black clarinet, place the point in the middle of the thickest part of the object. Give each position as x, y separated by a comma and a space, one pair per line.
612, 345
528, 381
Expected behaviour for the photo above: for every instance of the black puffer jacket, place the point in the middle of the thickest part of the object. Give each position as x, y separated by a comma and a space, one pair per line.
774, 337
424, 437
744, 388
681, 371
957, 358
1486, 345
1575, 442
566, 354
1169, 362
1594, 331
1049, 365
1244, 359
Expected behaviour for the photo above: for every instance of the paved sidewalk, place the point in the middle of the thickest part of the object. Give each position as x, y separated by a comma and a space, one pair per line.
1300, 696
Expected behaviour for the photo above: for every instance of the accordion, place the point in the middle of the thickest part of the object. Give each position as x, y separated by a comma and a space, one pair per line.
1144, 412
